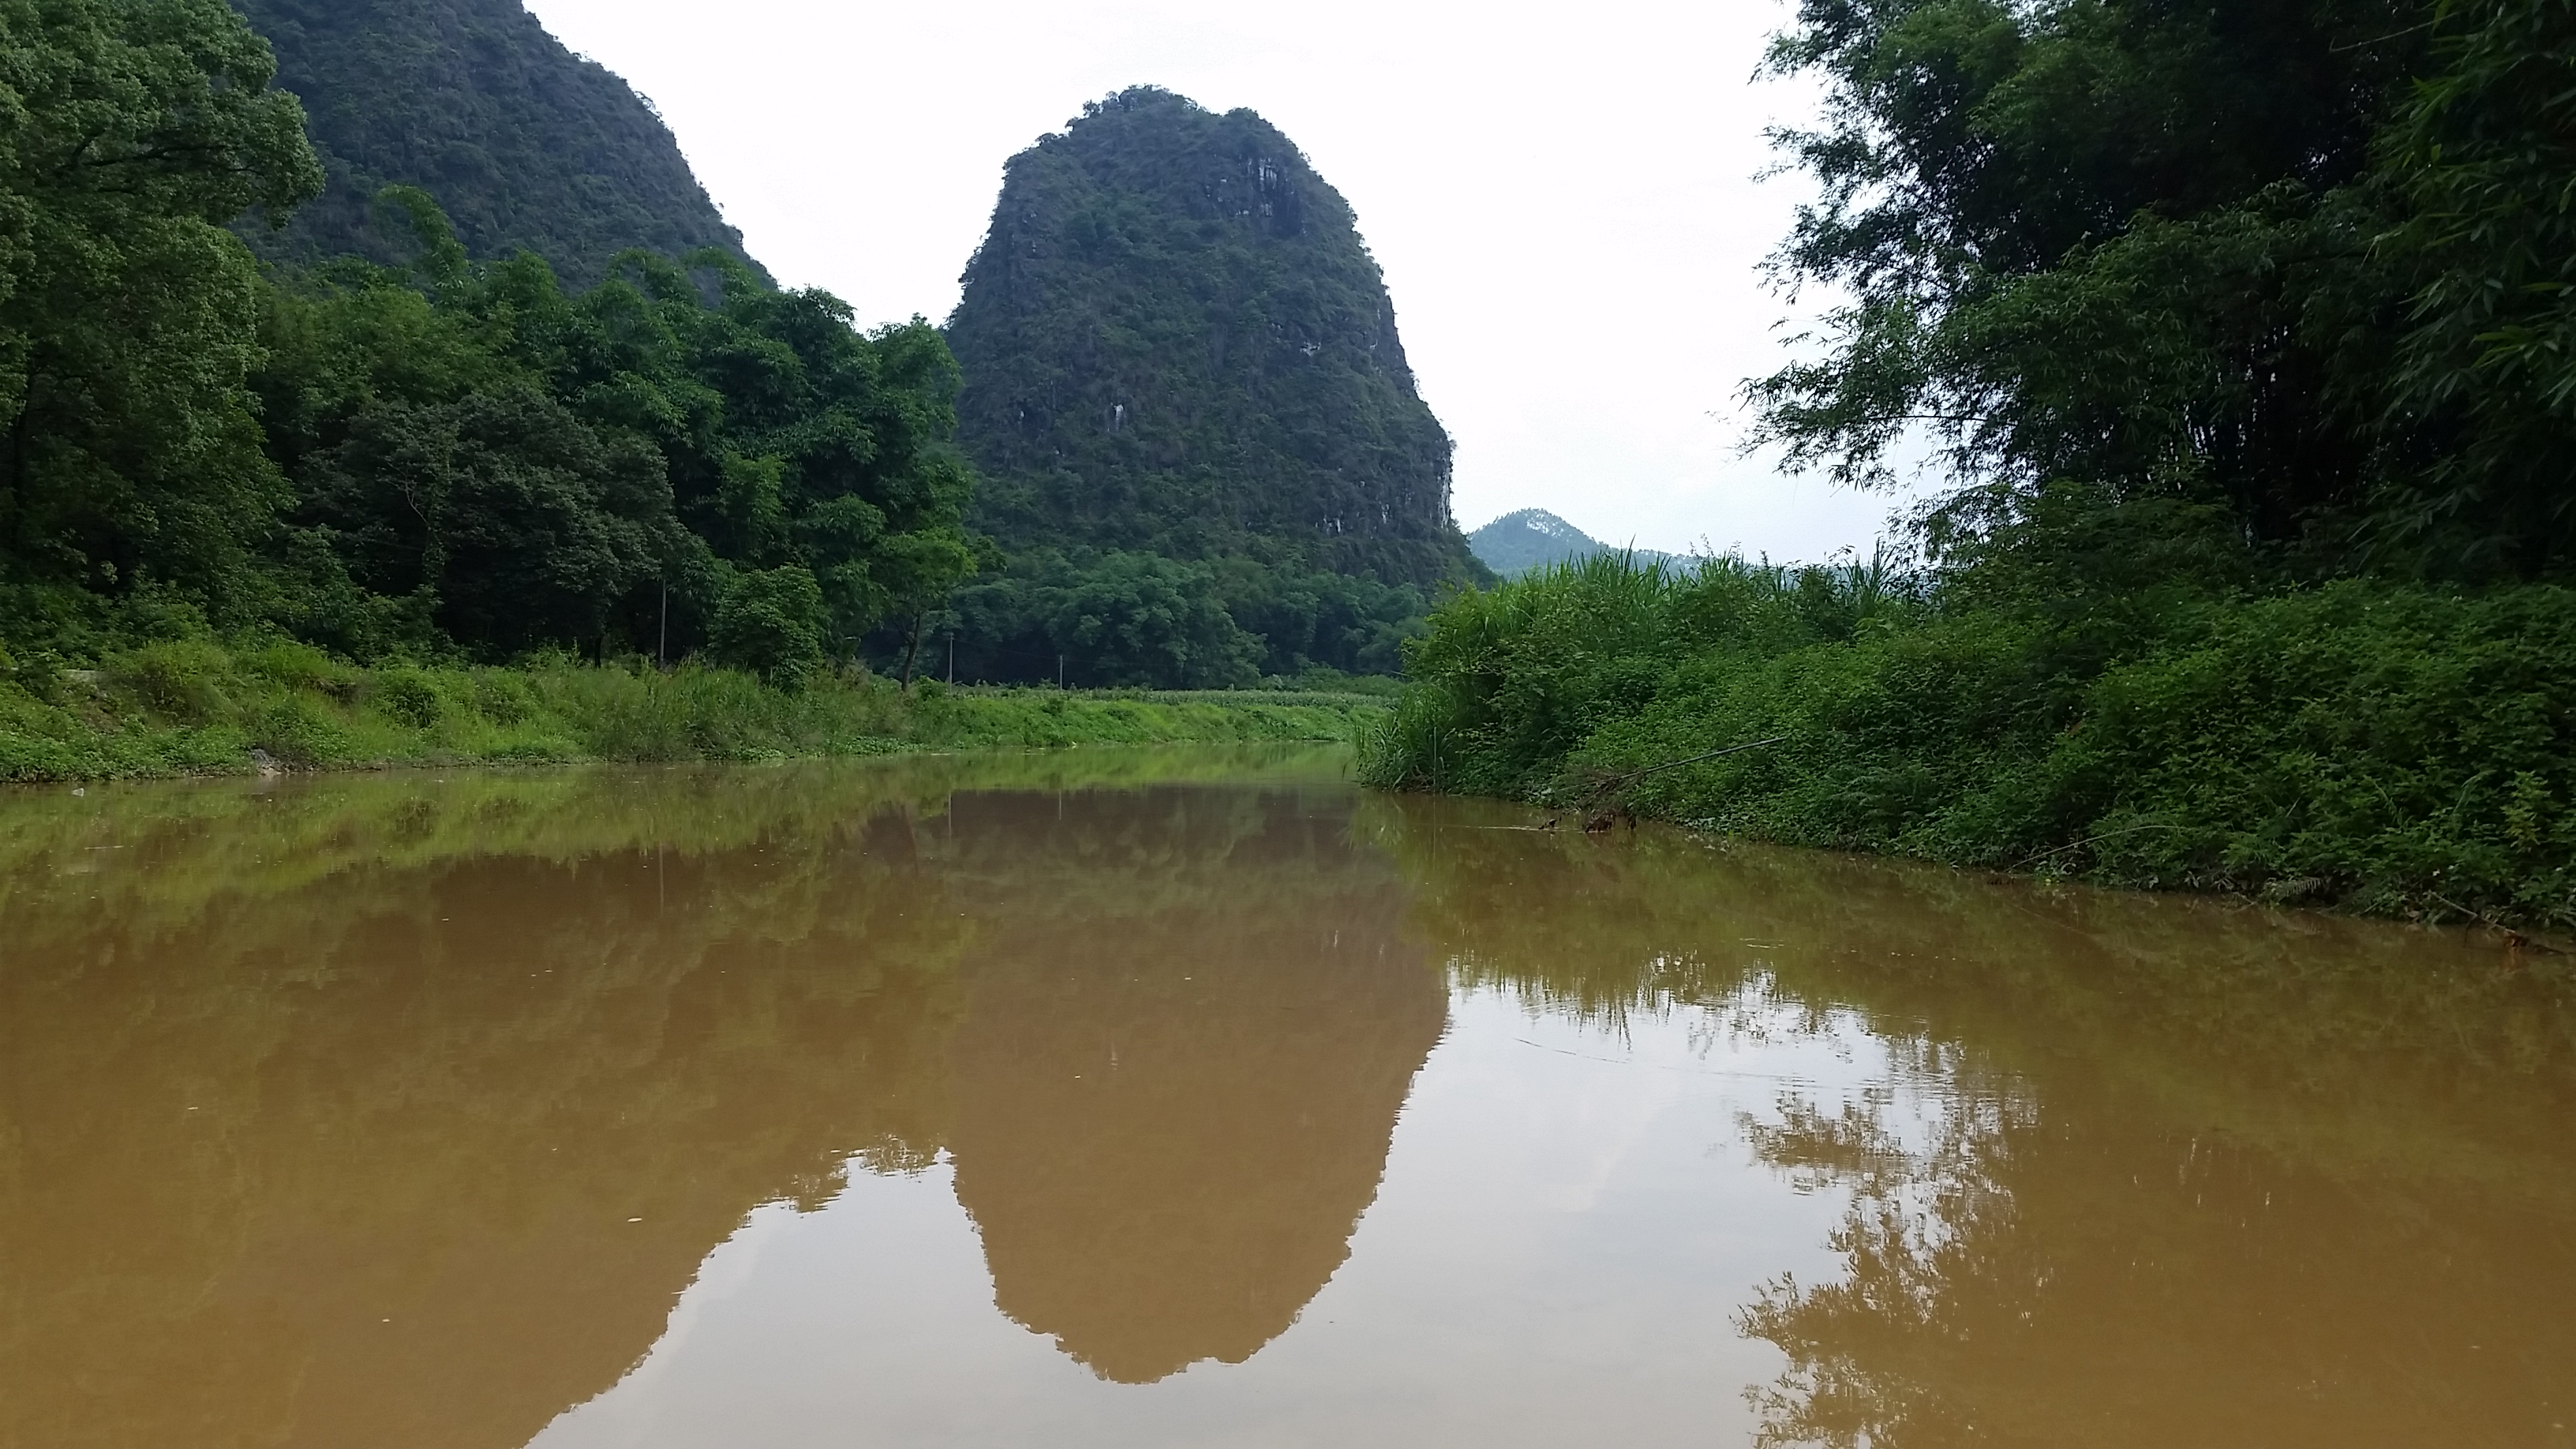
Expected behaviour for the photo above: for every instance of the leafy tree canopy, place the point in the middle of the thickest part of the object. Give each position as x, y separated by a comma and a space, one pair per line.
545, 463
1121, 617
413, 459
2300, 261
130, 131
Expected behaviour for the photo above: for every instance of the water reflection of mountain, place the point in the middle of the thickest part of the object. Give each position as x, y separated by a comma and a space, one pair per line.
2146, 1171
1192, 1025
397, 1111
419, 1156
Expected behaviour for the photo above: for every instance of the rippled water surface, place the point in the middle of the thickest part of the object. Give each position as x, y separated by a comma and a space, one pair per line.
1193, 1098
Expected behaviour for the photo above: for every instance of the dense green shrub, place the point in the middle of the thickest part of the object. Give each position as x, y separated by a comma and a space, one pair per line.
177, 680
771, 622
298, 731
410, 696
2387, 746
500, 698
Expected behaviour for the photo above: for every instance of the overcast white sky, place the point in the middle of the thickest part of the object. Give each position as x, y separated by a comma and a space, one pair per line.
1562, 198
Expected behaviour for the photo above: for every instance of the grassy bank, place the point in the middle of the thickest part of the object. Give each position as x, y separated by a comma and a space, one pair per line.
195, 707
2380, 747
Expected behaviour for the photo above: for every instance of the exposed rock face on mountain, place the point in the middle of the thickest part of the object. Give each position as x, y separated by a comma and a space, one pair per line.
522, 142
1518, 542
1175, 341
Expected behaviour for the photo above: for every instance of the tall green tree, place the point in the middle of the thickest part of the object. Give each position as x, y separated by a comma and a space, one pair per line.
538, 465
2138, 246
2483, 155
794, 439
131, 131
519, 525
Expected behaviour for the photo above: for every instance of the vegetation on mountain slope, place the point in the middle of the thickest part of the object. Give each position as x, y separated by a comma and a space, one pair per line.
523, 144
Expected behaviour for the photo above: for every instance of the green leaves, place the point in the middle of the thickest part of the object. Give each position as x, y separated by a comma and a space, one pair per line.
526, 525
1145, 620
543, 466
1130, 618
2481, 154
771, 622
112, 109
129, 131
2135, 248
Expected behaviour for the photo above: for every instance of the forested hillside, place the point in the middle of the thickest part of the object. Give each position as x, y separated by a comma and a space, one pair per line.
522, 143
1200, 444
2246, 330
444, 460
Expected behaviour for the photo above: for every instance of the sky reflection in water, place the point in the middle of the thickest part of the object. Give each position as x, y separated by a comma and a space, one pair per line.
1194, 1097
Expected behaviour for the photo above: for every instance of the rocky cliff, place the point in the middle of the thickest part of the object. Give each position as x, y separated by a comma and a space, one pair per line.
1175, 341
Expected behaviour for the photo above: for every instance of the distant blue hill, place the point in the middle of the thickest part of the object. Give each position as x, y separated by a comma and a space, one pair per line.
1518, 542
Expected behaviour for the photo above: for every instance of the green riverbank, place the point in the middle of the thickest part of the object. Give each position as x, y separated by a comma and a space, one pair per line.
197, 708
2386, 748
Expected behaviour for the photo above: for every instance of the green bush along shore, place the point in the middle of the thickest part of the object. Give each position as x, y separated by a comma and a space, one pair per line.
2386, 747
196, 707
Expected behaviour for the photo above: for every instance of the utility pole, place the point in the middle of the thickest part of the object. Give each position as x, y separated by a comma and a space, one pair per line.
662, 641
1059, 673
952, 656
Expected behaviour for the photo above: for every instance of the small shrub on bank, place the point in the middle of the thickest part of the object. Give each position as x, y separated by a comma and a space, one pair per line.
409, 696
298, 731
179, 680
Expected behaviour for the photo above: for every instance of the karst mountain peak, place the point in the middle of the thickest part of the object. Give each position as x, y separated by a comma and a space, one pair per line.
1174, 337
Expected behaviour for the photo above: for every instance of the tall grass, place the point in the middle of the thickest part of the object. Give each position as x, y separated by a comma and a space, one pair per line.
197, 707
1512, 680
2386, 747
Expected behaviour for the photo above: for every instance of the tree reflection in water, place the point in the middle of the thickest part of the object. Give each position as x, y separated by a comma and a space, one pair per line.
2145, 1171
380, 1112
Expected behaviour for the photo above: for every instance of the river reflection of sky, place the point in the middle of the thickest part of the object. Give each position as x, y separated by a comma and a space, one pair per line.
1569, 1220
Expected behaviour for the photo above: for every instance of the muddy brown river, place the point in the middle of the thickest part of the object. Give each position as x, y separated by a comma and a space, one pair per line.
1148, 1098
